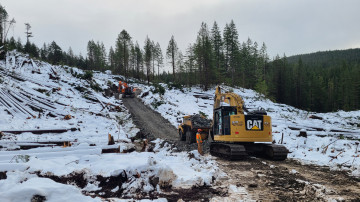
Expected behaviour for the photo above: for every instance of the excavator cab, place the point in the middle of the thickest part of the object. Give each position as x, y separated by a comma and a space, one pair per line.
222, 120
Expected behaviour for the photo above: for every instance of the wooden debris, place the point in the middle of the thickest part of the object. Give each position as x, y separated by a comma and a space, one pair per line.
335, 157
137, 175
145, 144
341, 131
111, 140
293, 128
55, 89
315, 117
327, 146
34, 145
26, 62
302, 134
102, 104
39, 131
111, 150
145, 94
67, 117
204, 96
67, 144
24, 104
129, 150
52, 77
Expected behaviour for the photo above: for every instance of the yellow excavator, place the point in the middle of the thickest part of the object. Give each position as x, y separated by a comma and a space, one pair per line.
236, 135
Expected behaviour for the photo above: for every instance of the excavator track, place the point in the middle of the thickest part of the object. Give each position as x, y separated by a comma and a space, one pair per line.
238, 151
228, 151
276, 152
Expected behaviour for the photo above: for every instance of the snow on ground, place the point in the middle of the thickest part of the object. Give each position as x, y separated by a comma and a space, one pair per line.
54, 172
332, 141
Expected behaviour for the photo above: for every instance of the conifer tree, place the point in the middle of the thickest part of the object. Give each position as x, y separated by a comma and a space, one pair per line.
111, 59
147, 57
231, 49
171, 53
158, 57
122, 51
44, 52
55, 55
3, 19
262, 60
217, 44
139, 61
204, 55
12, 44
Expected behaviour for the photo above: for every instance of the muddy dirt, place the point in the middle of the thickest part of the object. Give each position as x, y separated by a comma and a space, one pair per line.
259, 179
252, 178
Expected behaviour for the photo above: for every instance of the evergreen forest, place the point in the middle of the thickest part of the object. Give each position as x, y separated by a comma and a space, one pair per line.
322, 82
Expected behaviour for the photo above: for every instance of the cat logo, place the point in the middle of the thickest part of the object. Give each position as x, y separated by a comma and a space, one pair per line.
254, 123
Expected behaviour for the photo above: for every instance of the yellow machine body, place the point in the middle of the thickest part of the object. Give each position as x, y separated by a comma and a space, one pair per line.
258, 132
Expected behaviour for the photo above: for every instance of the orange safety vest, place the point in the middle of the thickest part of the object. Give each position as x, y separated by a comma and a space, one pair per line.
198, 138
120, 86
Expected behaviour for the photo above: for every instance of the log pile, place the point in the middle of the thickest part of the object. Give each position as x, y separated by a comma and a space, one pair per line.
24, 104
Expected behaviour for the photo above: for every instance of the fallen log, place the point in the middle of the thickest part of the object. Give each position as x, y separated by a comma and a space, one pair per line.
53, 142
315, 117
294, 128
32, 146
341, 131
110, 150
204, 97
39, 131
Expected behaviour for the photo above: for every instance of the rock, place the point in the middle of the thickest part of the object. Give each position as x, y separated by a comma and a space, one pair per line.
253, 185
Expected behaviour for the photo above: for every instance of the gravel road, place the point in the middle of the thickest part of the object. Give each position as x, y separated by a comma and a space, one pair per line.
149, 121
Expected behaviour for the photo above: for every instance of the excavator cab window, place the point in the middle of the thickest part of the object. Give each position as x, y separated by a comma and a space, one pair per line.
222, 120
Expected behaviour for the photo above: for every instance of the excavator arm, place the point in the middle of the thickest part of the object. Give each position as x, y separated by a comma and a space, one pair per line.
230, 98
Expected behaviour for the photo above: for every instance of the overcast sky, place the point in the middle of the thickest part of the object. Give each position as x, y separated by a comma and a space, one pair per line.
286, 26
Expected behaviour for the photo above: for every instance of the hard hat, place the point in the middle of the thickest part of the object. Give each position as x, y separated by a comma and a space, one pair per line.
199, 130
119, 81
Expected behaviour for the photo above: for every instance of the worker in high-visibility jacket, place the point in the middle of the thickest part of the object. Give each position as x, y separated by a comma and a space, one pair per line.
199, 142
124, 87
120, 87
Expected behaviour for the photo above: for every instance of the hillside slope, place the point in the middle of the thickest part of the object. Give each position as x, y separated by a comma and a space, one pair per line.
328, 58
54, 141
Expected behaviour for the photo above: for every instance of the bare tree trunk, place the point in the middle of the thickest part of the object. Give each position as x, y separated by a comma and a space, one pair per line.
173, 63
